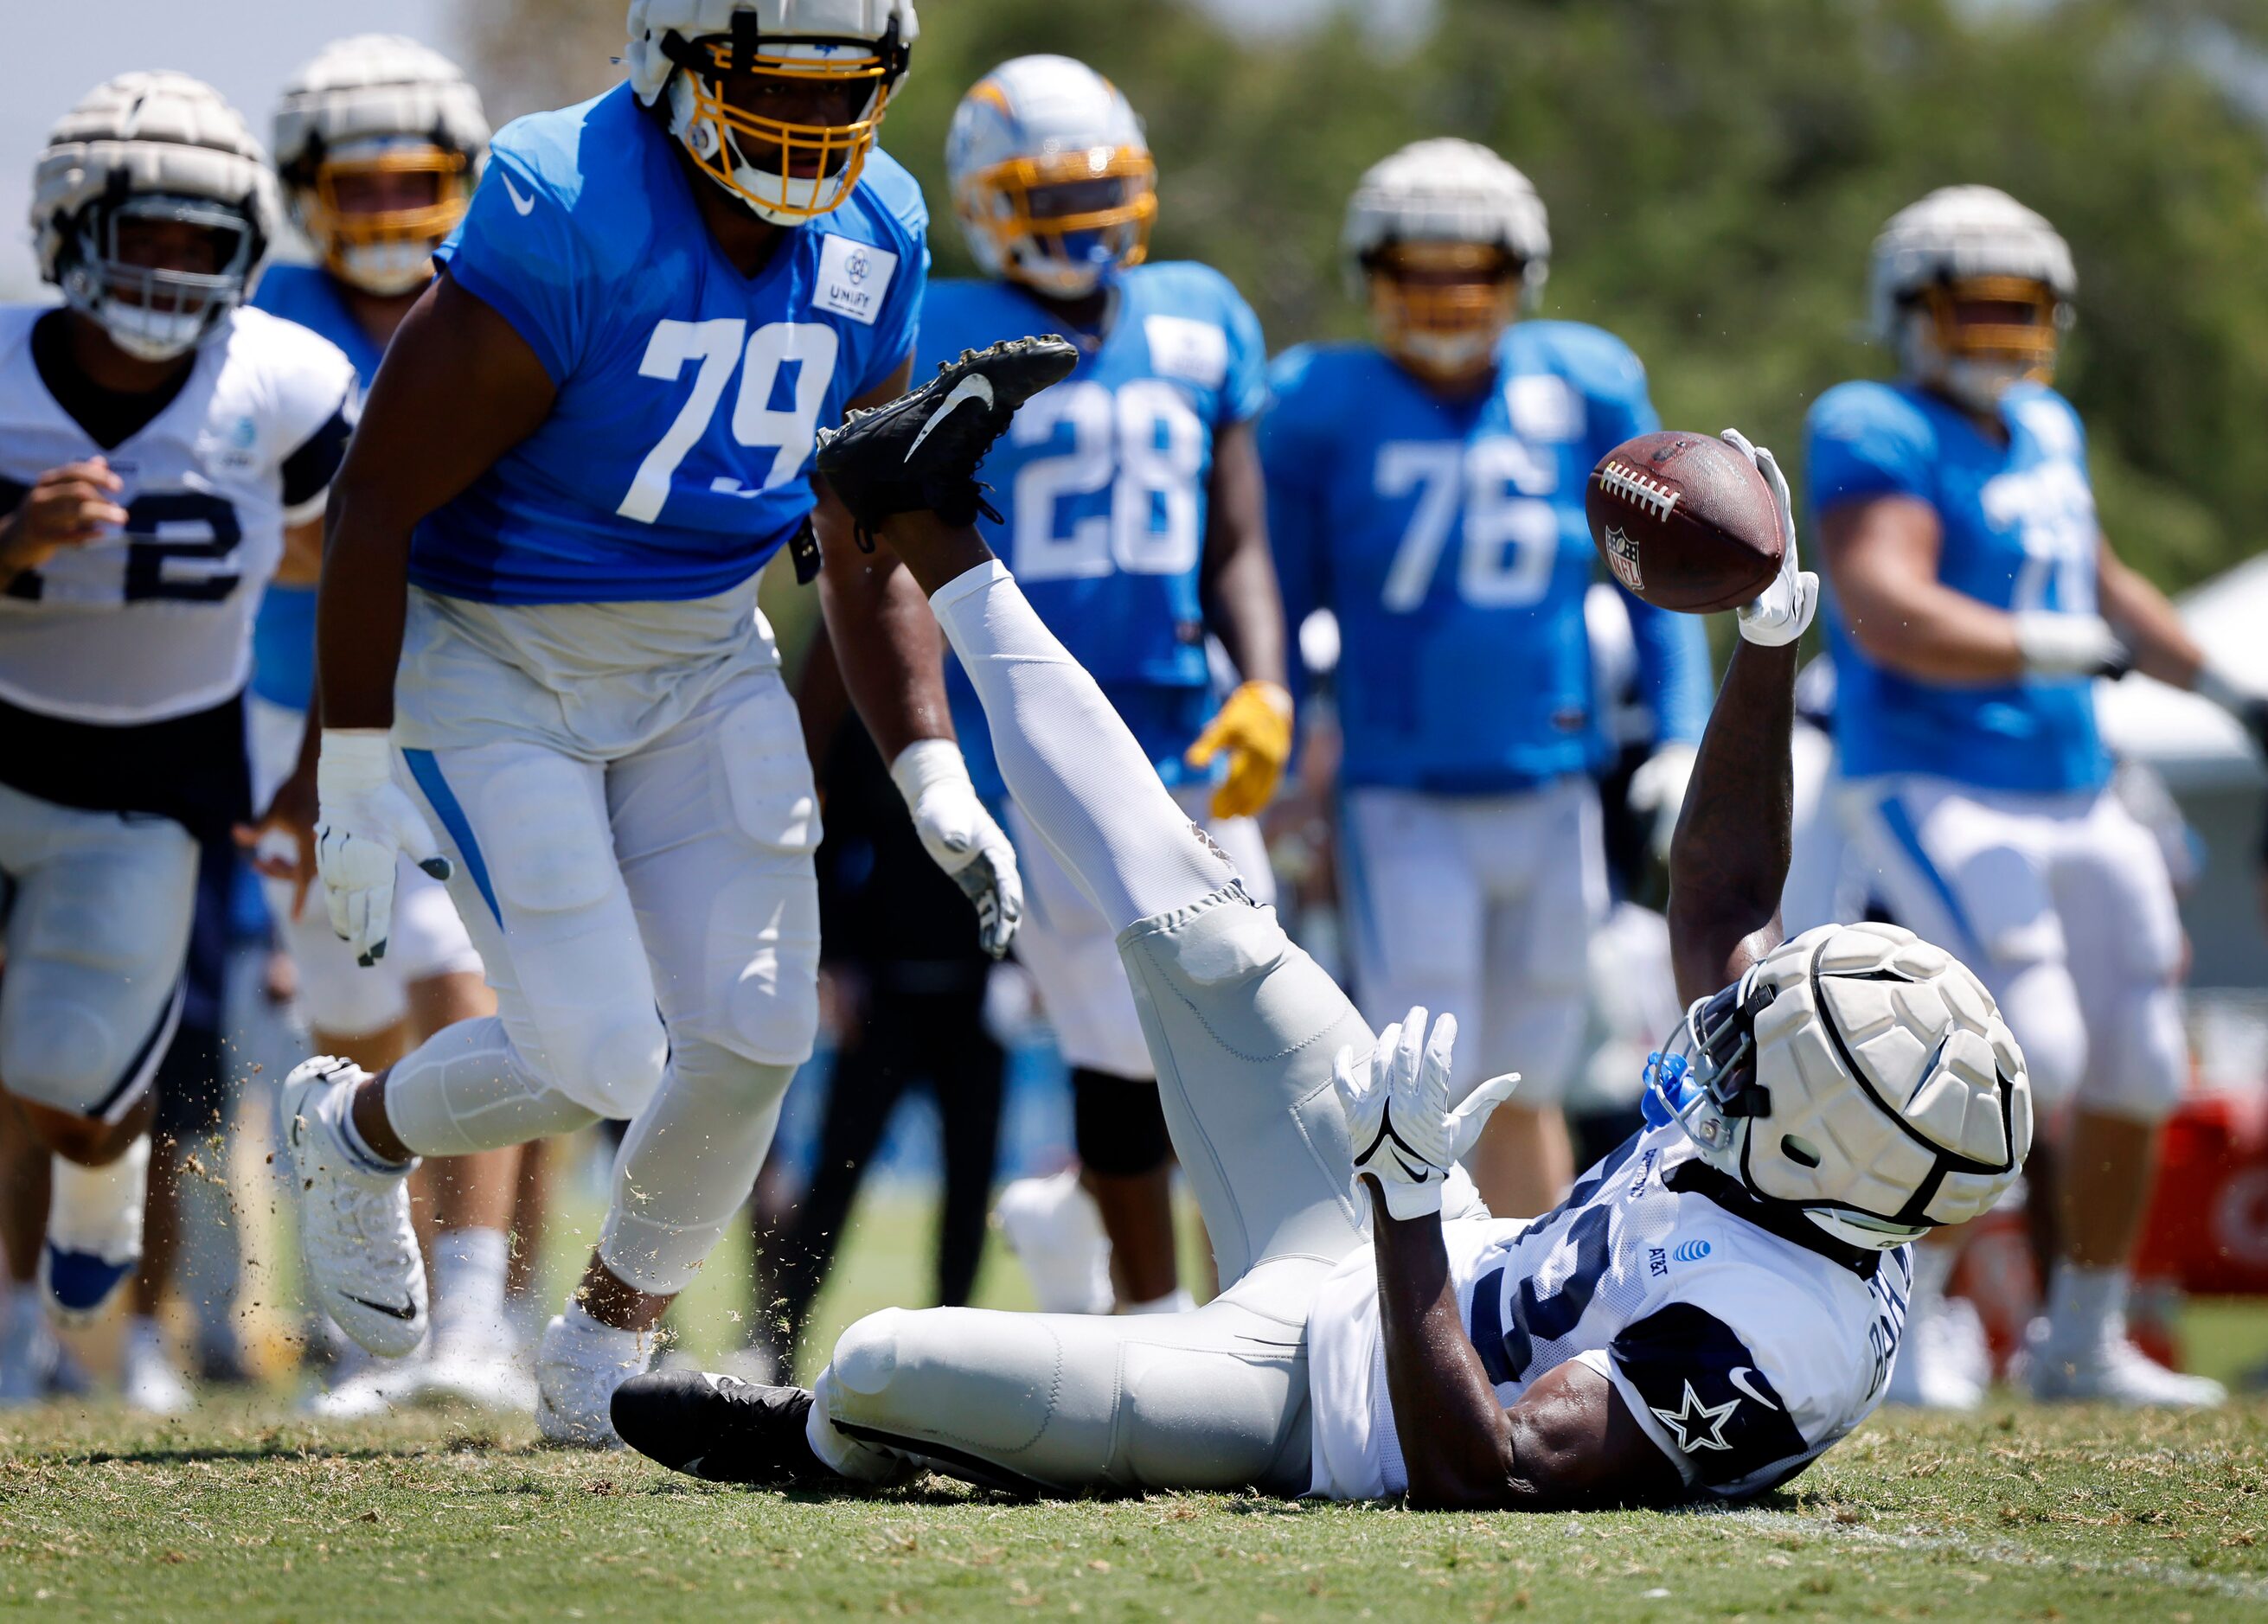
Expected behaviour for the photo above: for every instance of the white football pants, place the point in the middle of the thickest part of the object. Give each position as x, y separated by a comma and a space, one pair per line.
2062, 904
1242, 1027
650, 923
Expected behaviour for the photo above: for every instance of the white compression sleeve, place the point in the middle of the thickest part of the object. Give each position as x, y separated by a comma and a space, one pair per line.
1069, 760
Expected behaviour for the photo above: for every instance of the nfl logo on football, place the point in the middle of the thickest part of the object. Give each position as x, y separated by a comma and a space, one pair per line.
1621, 557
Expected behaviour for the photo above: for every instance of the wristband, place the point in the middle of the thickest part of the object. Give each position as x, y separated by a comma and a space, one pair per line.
354, 760
927, 764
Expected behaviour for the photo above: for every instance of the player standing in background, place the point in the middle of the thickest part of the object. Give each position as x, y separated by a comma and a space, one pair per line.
1135, 515
380, 142
540, 651
1429, 492
1977, 600
162, 452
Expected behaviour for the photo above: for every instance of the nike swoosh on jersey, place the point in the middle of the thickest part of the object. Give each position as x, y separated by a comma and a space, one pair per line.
1739, 1377
976, 386
407, 1311
526, 205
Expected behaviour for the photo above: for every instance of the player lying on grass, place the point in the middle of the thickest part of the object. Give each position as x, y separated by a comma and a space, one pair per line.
1714, 1304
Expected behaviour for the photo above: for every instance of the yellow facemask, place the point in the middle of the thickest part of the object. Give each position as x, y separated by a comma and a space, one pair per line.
1439, 308
2030, 347
1041, 248
390, 250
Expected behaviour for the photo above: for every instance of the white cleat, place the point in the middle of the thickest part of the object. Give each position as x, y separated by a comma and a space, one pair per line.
364, 1268
462, 1370
29, 1358
147, 1381
578, 1365
1942, 1362
2113, 1370
1054, 1229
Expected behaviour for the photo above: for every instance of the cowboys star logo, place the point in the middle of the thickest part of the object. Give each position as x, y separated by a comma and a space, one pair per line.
1699, 1426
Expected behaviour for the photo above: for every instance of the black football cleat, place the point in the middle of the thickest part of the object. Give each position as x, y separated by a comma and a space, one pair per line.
921, 451
720, 1428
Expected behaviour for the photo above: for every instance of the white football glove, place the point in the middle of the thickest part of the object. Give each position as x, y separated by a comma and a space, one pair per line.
2070, 645
961, 837
2250, 709
363, 823
1396, 1100
1782, 612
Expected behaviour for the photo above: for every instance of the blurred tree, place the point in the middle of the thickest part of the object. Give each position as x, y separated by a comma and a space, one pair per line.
1714, 173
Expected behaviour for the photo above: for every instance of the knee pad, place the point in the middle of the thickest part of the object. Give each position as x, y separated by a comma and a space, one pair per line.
62, 1047
466, 1089
615, 1066
2140, 1062
1118, 1125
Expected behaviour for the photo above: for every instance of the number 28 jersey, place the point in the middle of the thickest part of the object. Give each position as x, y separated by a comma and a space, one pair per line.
1742, 1353
1104, 482
1449, 538
675, 458
155, 622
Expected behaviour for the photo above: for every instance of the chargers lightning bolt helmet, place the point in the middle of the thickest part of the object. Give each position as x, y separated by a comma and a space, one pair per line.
1971, 246
1446, 241
1857, 1075
379, 105
778, 100
1052, 176
153, 146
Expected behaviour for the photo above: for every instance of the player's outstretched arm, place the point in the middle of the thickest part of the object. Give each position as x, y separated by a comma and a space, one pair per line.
1728, 860
1570, 1440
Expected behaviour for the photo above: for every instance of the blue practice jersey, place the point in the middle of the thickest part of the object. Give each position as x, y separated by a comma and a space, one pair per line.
1104, 482
2020, 534
675, 461
1449, 540
283, 637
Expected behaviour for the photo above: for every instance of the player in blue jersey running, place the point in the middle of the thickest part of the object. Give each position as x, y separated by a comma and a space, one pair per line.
1134, 513
380, 142
1976, 601
543, 672
1428, 490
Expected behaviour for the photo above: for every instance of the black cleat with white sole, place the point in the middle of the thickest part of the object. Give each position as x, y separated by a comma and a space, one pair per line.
920, 453
721, 1428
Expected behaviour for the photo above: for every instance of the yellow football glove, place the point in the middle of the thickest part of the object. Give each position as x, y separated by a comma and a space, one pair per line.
1255, 727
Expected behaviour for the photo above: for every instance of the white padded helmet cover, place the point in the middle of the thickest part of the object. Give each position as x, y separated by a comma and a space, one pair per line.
652, 20
166, 134
1886, 1058
1957, 231
1448, 190
375, 85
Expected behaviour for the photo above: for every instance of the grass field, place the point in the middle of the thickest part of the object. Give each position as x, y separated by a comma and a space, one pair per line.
243, 1511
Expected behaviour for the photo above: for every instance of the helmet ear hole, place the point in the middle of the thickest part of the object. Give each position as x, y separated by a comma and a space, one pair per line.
1800, 1150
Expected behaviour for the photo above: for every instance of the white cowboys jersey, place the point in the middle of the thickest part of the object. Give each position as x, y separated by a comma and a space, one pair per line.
1743, 1354
156, 623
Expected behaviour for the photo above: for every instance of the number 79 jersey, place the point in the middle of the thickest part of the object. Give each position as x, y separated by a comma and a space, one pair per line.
1449, 538
676, 459
1743, 1351
155, 622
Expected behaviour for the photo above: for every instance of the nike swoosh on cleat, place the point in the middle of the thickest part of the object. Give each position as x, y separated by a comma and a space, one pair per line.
526, 205
407, 1311
976, 386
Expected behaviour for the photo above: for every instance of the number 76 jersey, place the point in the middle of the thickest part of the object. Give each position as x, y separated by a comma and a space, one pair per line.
154, 621
1449, 538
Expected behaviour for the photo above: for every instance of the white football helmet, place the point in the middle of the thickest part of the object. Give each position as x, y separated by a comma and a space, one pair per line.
1858, 1076
1052, 176
1470, 234
153, 146
841, 60
379, 105
1971, 244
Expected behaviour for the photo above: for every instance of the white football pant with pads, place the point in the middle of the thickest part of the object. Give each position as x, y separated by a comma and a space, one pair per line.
98, 906
650, 921
1484, 904
1072, 952
338, 997
1242, 1027
2062, 904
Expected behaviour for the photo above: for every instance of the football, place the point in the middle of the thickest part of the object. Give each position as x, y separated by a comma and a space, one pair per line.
1684, 521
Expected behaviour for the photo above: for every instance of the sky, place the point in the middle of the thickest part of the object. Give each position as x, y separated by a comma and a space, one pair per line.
243, 47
